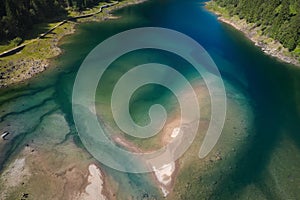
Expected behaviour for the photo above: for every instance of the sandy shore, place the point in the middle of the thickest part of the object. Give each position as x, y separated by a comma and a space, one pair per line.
72, 181
273, 48
17, 173
94, 189
47, 169
164, 176
176, 129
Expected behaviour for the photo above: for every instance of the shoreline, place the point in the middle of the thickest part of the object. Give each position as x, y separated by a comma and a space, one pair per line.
164, 177
18, 68
267, 44
63, 170
95, 185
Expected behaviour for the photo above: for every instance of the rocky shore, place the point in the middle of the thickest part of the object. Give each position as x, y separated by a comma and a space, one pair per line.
35, 57
253, 32
32, 59
8, 77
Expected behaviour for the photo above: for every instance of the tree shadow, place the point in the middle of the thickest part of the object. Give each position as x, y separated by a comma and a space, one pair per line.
274, 111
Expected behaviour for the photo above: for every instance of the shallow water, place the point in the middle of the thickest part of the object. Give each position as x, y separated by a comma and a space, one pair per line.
267, 162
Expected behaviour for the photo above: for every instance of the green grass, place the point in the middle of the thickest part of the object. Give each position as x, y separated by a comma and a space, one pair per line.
74, 13
45, 48
40, 49
213, 6
11, 44
296, 52
254, 29
36, 50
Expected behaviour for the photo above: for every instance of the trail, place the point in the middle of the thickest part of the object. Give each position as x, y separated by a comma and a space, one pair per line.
20, 47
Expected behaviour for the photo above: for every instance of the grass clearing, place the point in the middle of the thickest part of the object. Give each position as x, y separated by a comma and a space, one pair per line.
33, 58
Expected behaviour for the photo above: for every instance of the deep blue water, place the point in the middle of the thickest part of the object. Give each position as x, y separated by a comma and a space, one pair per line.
272, 87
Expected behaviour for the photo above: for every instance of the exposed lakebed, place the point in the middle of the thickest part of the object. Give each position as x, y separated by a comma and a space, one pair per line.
257, 155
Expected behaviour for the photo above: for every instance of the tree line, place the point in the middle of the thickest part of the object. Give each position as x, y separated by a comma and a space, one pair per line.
279, 19
17, 16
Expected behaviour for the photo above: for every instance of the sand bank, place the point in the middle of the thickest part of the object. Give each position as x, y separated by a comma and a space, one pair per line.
95, 187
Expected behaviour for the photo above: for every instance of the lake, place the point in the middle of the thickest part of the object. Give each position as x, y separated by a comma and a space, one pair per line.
263, 112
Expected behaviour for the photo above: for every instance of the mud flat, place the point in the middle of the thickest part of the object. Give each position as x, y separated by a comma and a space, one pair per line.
94, 190
45, 168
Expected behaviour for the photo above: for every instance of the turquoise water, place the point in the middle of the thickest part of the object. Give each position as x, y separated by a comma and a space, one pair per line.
268, 160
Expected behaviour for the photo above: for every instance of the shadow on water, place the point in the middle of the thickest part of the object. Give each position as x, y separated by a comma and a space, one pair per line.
293, 108
273, 87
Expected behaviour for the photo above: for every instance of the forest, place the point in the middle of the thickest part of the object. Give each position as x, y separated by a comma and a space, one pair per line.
279, 19
17, 16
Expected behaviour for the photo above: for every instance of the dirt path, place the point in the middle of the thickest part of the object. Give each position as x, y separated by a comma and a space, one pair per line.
20, 47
